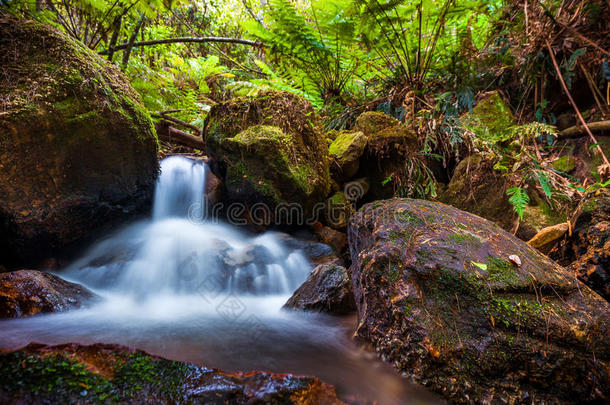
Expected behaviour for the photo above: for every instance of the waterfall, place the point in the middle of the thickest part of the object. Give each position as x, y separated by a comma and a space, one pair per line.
180, 253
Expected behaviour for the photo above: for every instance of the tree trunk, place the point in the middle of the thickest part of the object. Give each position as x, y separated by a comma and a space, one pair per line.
132, 40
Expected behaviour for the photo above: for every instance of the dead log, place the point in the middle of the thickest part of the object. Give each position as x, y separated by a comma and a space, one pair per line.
167, 133
579, 130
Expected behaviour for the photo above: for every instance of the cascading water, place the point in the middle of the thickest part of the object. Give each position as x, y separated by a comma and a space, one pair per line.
191, 289
180, 253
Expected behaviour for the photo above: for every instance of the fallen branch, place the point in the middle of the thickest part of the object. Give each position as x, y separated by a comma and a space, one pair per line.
579, 130
125, 45
167, 133
177, 121
604, 169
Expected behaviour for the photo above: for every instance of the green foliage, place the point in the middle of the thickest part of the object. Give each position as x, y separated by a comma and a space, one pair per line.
519, 199
310, 46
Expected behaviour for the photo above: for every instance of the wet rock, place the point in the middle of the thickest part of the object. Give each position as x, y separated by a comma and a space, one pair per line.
441, 295
588, 249
327, 289
338, 210
77, 148
316, 253
390, 145
29, 292
331, 237
345, 150
100, 373
213, 189
269, 150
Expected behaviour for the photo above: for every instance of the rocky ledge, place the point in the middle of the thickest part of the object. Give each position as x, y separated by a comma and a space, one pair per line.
100, 373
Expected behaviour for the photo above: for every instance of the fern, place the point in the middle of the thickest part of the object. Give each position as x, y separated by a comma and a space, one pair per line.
519, 199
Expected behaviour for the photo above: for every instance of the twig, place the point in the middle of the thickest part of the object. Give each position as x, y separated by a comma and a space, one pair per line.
582, 120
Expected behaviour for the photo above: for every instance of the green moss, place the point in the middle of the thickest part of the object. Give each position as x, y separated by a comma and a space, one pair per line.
501, 270
341, 143
491, 119
565, 164
56, 376
465, 237
513, 311
371, 122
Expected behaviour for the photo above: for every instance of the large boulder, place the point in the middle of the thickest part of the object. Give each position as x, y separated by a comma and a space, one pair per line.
269, 149
471, 311
391, 147
99, 373
29, 292
77, 148
588, 248
327, 289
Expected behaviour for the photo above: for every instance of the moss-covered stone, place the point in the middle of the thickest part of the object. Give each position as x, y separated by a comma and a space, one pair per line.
346, 150
371, 122
262, 167
440, 297
390, 144
269, 148
113, 374
77, 148
491, 119
565, 164
338, 210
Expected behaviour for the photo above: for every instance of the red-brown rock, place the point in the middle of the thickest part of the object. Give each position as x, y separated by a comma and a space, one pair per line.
29, 292
100, 373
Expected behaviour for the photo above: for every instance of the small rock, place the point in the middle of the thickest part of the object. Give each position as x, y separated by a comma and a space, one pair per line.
547, 238
328, 289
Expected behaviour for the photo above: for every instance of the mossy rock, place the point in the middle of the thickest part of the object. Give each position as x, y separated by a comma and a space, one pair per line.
345, 151
474, 313
390, 144
477, 188
565, 164
371, 122
262, 167
112, 374
269, 148
491, 119
338, 210
77, 148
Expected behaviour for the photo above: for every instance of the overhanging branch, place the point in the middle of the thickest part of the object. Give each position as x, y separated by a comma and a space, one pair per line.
184, 40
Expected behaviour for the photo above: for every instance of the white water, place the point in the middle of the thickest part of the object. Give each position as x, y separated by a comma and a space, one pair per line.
193, 290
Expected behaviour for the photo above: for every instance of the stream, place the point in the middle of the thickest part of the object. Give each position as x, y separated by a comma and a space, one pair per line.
191, 289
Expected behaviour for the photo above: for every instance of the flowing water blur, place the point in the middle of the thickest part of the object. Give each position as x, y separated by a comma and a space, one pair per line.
194, 290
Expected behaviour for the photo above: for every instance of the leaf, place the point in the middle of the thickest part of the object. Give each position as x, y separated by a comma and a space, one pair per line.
481, 266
